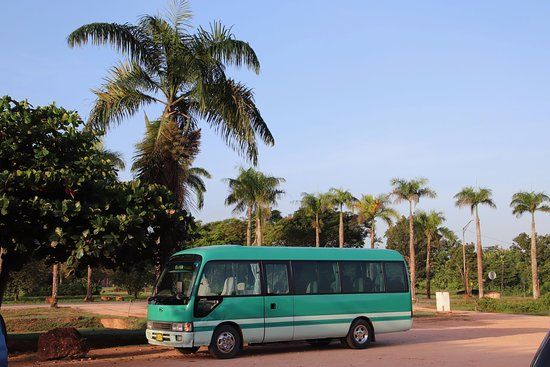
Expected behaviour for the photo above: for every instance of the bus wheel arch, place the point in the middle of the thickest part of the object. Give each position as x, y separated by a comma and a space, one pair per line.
227, 326
361, 320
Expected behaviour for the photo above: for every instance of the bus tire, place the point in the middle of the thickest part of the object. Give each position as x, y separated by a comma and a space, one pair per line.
359, 335
226, 342
189, 350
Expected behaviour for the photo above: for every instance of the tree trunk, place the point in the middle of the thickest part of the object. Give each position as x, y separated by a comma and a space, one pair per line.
534, 268
259, 239
372, 235
55, 281
341, 229
428, 248
317, 231
479, 256
4, 273
249, 225
89, 295
412, 254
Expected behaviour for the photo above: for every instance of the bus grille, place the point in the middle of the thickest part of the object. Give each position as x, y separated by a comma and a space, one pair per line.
162, 326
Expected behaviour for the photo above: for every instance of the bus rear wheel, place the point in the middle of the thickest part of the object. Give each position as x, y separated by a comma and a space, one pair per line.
190, 350
359, 335
226, 342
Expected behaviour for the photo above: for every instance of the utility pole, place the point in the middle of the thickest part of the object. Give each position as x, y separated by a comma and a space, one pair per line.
464, 267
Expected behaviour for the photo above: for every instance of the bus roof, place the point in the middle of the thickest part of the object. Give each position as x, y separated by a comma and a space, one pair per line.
237, 252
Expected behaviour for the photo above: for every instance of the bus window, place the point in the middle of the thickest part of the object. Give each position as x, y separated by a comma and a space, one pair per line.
305, 277
395, 277
276, 277
223, 278
329, 281
374, 280
316, 277
353, 276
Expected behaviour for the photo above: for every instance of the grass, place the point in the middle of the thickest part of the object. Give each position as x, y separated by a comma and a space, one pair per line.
107, 291
506, 304
46, 318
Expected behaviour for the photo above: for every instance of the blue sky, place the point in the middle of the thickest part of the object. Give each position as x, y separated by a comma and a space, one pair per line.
355, 93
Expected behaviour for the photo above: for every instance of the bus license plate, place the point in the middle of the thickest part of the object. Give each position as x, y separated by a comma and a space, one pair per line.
158, 337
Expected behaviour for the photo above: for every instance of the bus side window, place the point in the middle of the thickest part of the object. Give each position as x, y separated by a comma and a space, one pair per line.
374, 279
353, 277
395, 277
276, 276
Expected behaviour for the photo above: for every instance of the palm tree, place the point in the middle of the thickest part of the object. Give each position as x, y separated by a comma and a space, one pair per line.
165, 157
473, 198
431, 225
411, 191
184, 72
314, 205
254, 192
369, 208
267, 194
340, 198
523, 202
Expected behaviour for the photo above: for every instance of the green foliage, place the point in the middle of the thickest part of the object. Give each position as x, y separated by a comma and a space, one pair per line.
540, 306
228, 231
471, 197
61, 200
134, 278
296, 230
411, 190
529, 202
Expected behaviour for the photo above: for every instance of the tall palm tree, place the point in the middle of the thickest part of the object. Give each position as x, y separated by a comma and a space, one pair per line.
267, 194
314, 205
370, 208
411, 191
473, 198
165, 157
183, 71
530, 202
431, 224
341, 198
254, 192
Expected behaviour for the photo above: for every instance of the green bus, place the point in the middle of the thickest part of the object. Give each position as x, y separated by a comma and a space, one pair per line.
225, 297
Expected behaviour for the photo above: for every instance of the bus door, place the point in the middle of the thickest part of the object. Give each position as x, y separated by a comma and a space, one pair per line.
279, 302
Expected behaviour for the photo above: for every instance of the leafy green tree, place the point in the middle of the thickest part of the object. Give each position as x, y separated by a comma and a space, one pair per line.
473, 198
61, 200
314, 205
228, 231
411, 191
370, 208
522, 243
432, 225
296, 230
185, 72
341, 198
530, 202
135, 278
254, 192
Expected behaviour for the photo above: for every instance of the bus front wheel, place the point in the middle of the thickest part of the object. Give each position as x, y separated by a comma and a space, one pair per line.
359, 335
226, 342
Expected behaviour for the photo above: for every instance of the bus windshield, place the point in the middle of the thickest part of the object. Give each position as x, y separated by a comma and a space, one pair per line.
176, 282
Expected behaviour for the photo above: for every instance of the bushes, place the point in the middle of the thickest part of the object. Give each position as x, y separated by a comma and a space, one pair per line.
540, 306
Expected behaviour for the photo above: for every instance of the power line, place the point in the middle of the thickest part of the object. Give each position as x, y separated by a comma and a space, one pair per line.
491, 238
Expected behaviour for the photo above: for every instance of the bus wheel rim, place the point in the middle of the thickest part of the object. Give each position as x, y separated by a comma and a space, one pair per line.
226, 342
361, 334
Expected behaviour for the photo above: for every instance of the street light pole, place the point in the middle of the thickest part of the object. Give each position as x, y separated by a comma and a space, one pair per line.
464, 267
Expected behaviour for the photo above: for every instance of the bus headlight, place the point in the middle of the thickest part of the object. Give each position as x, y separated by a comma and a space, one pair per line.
149, 324
182, 326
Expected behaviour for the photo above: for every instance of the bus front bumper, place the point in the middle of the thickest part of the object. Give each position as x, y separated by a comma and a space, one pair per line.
173, 339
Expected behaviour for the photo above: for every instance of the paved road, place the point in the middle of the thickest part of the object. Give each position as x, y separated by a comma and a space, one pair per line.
466, 339
136, 309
